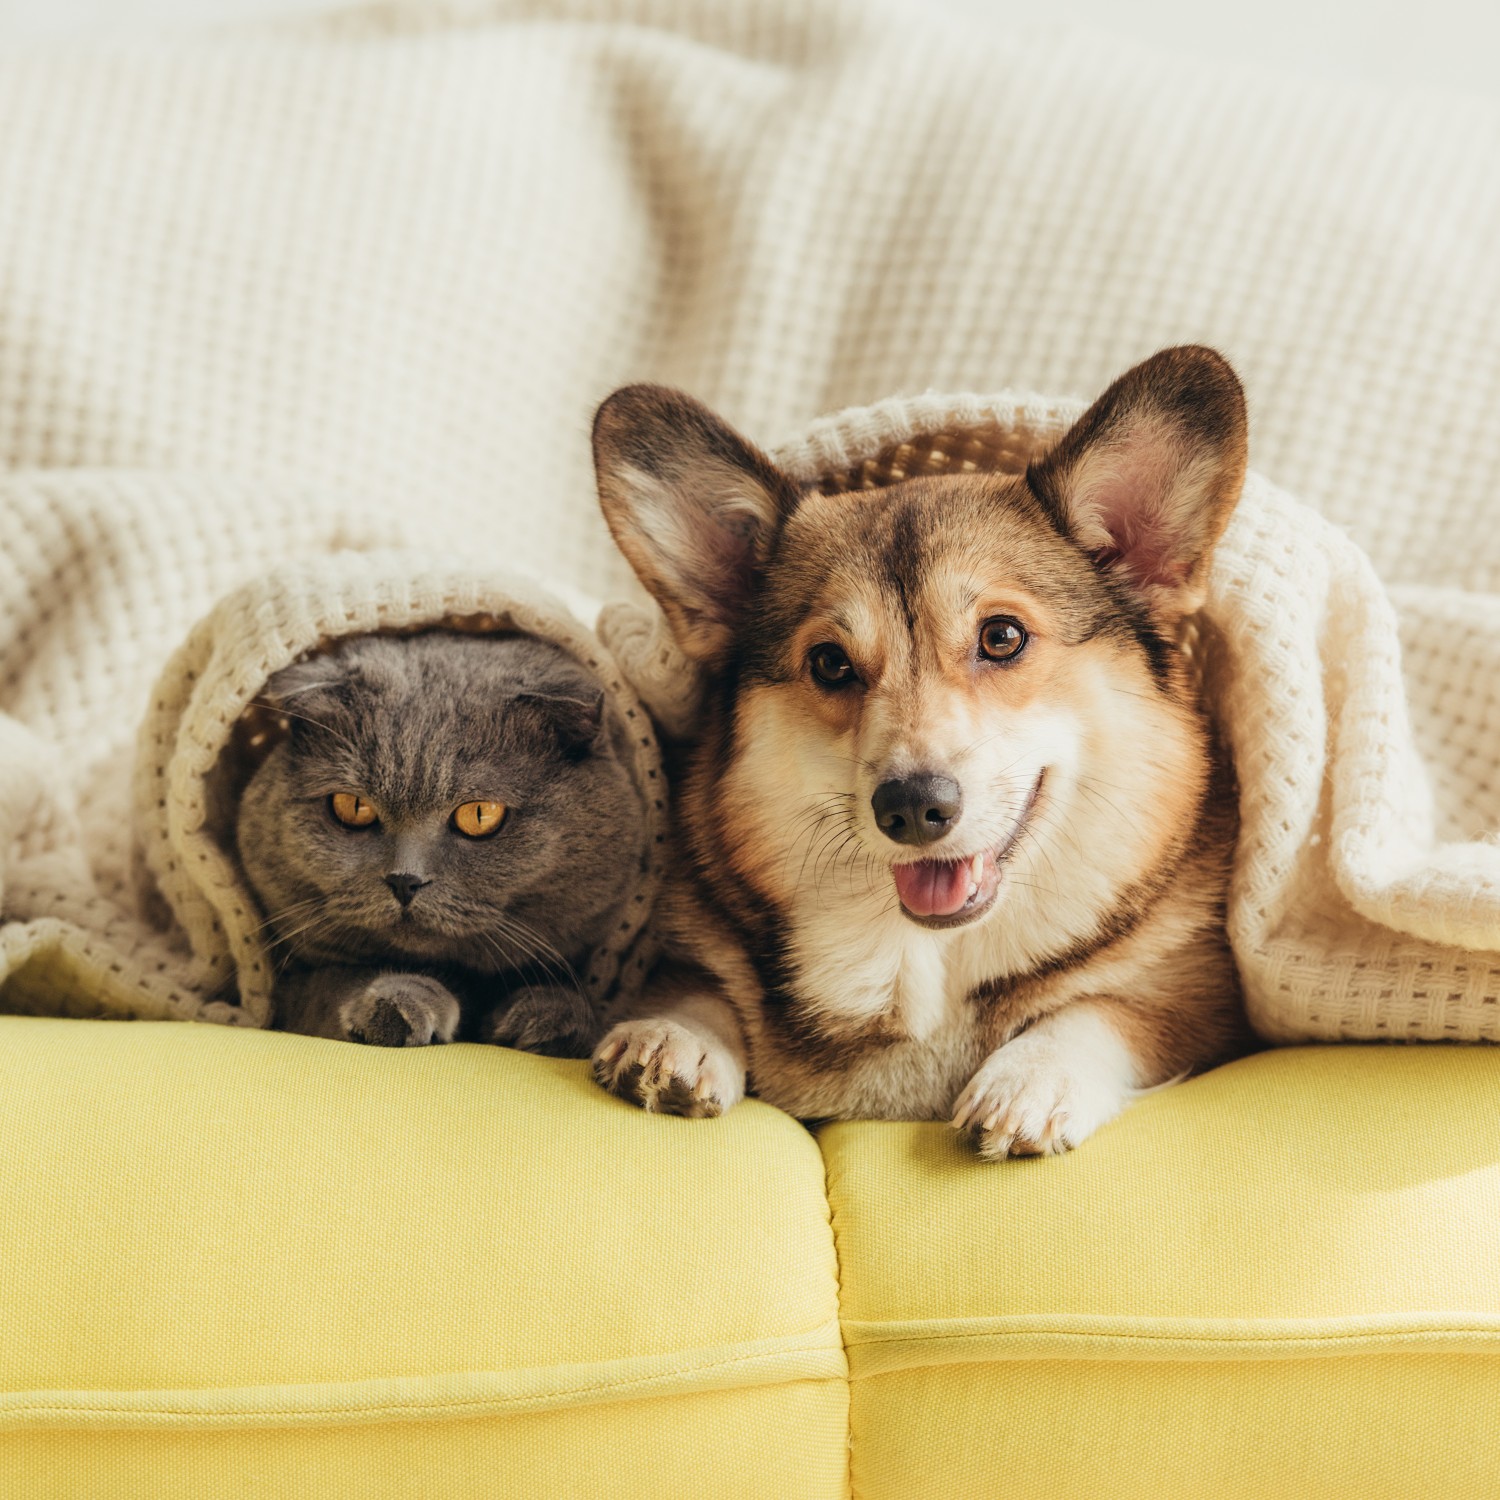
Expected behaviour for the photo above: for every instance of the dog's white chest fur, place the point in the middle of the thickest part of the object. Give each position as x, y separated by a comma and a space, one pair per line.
908, 985
853, 970
951, 759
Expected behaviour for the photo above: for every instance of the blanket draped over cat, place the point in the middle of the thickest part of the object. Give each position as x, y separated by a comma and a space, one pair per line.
1354, 911
199, 947
357, 283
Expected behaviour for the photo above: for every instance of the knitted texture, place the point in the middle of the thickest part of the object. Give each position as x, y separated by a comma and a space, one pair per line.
361, 283
1353, 911
207, 729
164, 926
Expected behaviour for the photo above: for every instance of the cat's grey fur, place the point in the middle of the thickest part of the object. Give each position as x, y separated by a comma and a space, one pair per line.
489, 946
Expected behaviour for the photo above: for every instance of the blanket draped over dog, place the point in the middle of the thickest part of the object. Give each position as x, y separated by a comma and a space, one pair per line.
297, 299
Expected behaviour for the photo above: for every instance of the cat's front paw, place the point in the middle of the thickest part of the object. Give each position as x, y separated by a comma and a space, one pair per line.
668, 1068
1031, 1098
401, 1010
545, 1019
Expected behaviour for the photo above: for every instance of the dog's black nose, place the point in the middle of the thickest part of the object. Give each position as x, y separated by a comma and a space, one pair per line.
404, 887
917, 809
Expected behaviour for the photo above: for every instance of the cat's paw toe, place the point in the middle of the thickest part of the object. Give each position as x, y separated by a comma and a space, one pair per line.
401, 1010
545, 1019
666, 1068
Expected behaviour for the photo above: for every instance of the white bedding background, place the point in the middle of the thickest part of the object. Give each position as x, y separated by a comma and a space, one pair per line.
1440, 45
361, 283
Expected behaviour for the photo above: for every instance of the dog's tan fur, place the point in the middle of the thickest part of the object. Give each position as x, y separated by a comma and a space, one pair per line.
1090, 781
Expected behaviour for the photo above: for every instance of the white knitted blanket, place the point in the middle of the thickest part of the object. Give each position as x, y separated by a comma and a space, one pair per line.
361, 284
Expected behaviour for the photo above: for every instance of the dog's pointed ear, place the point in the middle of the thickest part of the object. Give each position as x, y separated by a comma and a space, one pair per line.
693, 506
1146, 479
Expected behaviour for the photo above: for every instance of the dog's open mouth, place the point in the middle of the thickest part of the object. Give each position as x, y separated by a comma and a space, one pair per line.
945, 887
950, 892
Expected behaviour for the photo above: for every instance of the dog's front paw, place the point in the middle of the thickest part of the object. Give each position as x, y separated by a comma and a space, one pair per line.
668, 1068
1030, 1098
546, 1019
400, 1010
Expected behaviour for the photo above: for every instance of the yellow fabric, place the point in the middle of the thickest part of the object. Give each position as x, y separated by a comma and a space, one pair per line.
1372, 1427
1279, 1279
230, 1252
758, 1444
244, 1263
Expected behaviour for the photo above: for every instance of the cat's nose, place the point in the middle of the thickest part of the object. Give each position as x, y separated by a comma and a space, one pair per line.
404, 887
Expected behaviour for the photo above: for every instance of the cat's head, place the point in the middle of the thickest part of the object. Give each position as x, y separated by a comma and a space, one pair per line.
441, 799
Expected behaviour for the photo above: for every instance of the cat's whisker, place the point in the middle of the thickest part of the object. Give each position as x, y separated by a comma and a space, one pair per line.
281, 708
293, 909
514, 924
420, 726
510, 944
533, 968
288, 941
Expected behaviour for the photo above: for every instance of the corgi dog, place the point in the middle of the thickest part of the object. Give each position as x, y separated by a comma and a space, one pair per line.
954, 839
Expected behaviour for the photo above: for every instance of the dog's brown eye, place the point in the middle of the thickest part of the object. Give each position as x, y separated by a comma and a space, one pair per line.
1002, 639
830, 665
351, 811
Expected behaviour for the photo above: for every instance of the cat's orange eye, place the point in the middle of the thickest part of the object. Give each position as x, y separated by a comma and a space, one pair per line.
351, 811
478, 820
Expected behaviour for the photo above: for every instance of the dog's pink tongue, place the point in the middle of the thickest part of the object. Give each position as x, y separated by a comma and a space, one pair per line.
933, 887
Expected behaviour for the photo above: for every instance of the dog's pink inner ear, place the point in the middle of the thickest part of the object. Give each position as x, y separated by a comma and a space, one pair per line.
1136, 509
1146, 479
727, 547
700, 542
693, 506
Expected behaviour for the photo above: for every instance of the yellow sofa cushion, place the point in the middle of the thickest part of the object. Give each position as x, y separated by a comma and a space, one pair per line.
235, 1256
1280, 1279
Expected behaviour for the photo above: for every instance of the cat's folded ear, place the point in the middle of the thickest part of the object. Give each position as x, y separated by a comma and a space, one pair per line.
304, 680
693, 506
1146, 479
574, 723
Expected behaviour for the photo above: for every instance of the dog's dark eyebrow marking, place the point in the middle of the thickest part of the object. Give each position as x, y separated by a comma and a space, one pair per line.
1131, 618
902, 561
1157, 652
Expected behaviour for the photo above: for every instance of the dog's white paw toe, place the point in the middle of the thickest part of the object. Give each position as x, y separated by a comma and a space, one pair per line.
1032, 1098
668, 1068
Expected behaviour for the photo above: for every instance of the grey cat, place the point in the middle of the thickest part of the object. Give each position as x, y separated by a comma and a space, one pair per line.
447, 831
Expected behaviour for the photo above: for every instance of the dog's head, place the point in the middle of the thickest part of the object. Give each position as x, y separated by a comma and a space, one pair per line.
958, 688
